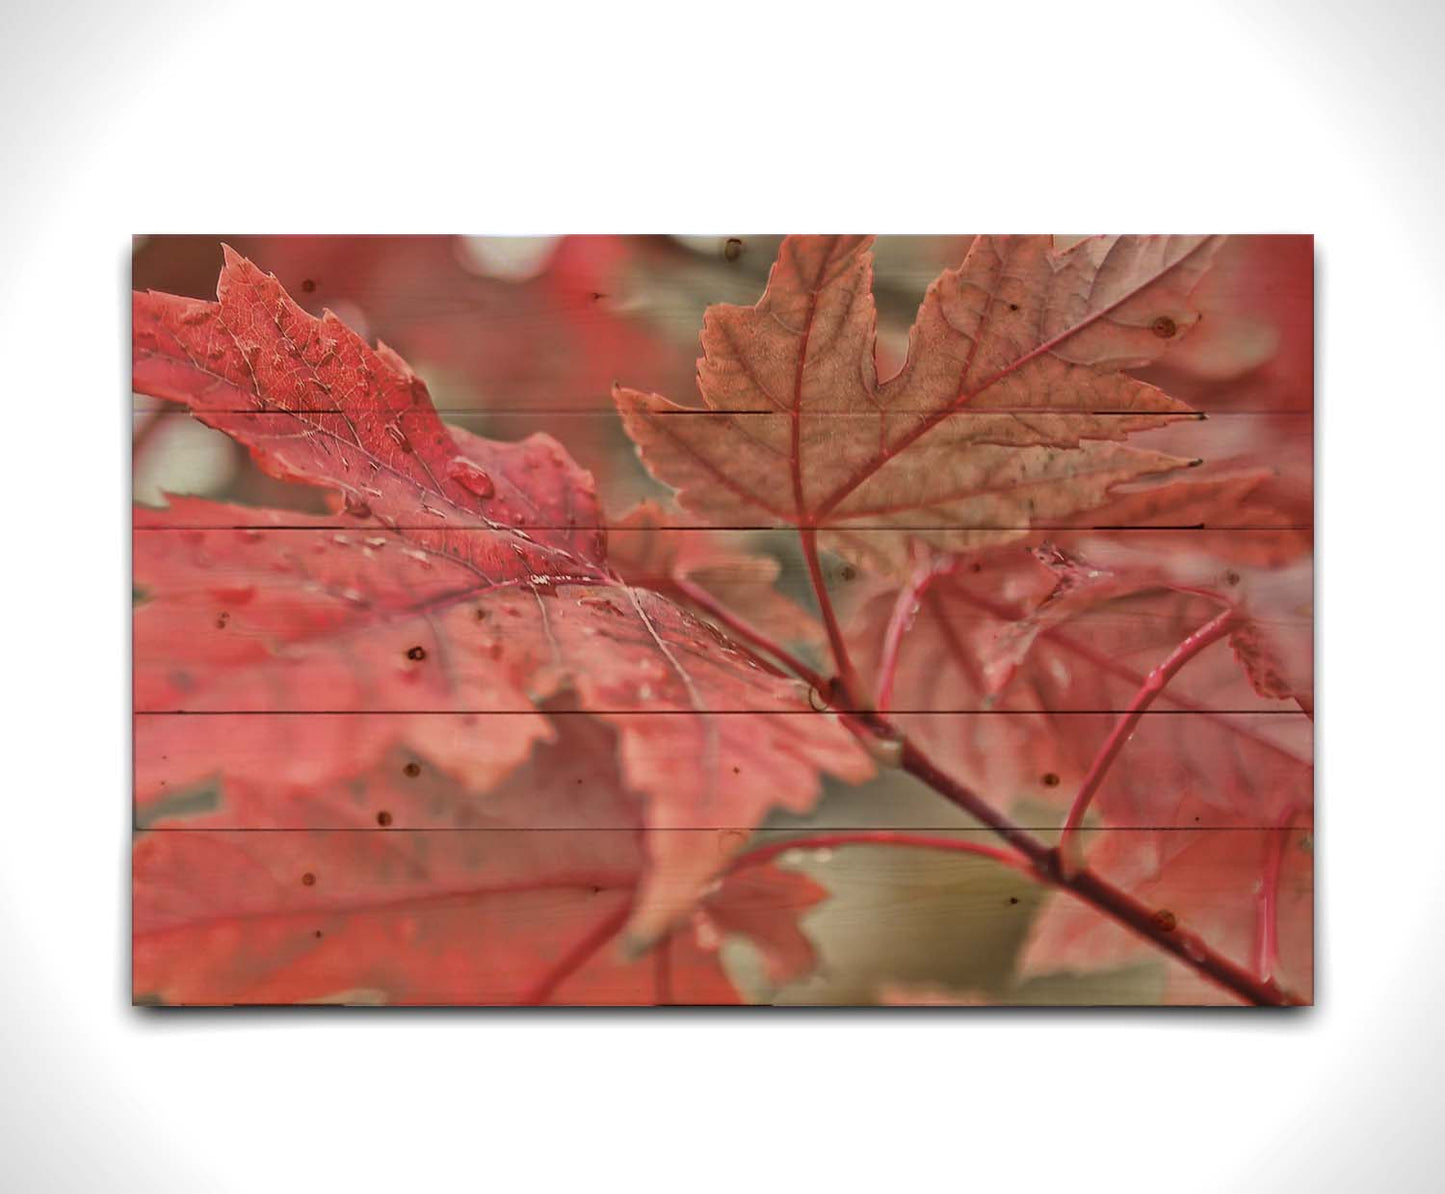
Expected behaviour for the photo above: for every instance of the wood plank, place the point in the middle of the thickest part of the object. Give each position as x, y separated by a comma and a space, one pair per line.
189, 457
433, 760
425, 918
1217, 765
481, 333
212, 605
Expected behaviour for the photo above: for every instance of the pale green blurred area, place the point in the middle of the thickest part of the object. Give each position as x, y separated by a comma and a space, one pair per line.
905, 926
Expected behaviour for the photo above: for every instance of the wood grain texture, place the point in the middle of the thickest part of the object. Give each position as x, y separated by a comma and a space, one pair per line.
1199, 755
379, 759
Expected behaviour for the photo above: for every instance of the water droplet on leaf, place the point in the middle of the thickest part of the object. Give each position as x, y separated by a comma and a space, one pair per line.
470, 477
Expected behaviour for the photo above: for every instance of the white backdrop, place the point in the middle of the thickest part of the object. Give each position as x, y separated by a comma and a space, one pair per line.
1319, 117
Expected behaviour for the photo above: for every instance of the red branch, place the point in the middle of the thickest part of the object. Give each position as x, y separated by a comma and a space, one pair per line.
1138, 917
1033, 856
850, 688
1266, 931
1154, 684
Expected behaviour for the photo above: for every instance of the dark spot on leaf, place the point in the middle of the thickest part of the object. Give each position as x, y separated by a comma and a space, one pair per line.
737, 770
1164, 327
221, 620
977, 567
356, 507
1231, 577
849, 572
417, 653
596, 890
308, 286
481, 614
308, 880
1013, 306
412, 769
1013, 899
1050, 780
597, 296
317, 933
732, 249
383, 818
1166, 920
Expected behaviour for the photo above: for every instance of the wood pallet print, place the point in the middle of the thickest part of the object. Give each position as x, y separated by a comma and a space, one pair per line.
684, 620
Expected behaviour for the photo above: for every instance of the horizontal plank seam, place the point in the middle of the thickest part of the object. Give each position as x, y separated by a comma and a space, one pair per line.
602, 412
851, 528
1291, 711
632, 829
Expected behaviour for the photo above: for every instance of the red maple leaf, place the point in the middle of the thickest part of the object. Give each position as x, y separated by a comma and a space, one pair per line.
459, 583
1270, 589
1006, 413
554, 337
521, 900
1027, 728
